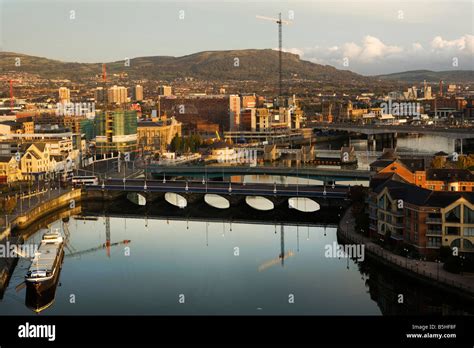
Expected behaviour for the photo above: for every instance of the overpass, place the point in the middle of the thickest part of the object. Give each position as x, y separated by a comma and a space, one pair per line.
308, 172
450, 132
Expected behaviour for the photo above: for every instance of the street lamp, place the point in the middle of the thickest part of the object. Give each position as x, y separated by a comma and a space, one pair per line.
406, 257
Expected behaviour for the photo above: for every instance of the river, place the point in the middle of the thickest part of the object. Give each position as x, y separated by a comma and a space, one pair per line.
175, 267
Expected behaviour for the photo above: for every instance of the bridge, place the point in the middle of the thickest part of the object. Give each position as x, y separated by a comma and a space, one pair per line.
327, 175
450, 132
215, 187
220, 195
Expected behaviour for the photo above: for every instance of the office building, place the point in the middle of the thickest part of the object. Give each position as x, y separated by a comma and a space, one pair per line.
117, 95
64, 95
164, 91
137, 93
116, 131
234, 112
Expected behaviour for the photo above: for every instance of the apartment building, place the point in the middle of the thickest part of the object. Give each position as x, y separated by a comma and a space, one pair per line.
422, 218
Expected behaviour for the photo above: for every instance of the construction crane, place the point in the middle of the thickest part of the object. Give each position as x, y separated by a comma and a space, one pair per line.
275, 261
12, 98
104, 83
100, 247
280, 22
107, 235
281, 257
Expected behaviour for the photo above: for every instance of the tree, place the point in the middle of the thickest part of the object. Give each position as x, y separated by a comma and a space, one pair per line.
438, 162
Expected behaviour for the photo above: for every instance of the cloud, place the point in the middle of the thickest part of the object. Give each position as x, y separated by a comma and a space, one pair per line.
373, 56
463, 44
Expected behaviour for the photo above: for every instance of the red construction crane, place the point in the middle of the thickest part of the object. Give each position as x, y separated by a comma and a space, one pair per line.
12, 103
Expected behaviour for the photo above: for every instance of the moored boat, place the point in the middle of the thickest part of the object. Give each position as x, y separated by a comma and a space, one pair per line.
45, 267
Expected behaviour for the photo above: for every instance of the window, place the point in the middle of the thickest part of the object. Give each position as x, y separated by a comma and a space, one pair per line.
467, 244
452, 231
468, 231
468, 215
434, 242
381, 203
454, 215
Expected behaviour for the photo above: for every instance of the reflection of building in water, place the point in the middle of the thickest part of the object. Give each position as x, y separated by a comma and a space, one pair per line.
385, 287
7, 266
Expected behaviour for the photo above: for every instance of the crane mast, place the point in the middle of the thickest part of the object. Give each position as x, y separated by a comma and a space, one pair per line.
280, 23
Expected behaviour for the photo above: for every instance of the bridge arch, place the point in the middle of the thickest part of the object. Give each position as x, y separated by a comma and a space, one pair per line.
176, 200
303, 204
259, 203
216, 201
137, 198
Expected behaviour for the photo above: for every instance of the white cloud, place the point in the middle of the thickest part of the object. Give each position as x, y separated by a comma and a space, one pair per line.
463, 44
373, 48
373, 56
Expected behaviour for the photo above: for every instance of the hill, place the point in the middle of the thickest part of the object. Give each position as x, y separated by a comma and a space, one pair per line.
255, 65
417, 76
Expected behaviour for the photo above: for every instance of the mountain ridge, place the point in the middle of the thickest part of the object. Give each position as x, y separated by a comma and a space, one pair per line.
220, 65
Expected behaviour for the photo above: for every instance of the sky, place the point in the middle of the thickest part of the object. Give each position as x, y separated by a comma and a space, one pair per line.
368, 37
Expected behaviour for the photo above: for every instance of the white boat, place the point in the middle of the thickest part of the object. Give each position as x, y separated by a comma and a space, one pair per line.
44, 270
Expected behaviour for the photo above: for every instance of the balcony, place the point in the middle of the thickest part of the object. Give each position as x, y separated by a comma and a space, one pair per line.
434, 232
430, 220
396, 236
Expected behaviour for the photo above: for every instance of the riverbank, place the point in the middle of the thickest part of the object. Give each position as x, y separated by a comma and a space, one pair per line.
431, 273
23, 219
56, 200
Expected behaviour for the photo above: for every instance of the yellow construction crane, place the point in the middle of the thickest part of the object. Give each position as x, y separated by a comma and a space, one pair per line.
274, 261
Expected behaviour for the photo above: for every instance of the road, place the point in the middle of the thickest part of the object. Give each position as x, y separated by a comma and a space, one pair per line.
450, 132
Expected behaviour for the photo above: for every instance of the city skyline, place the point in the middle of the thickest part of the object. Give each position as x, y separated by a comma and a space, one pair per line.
382, 39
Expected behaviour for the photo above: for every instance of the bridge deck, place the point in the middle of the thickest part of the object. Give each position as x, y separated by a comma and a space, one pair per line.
313, 172
135, 185
450, 132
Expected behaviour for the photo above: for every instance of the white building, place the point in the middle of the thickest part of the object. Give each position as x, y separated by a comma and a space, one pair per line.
64, 95
117, 94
